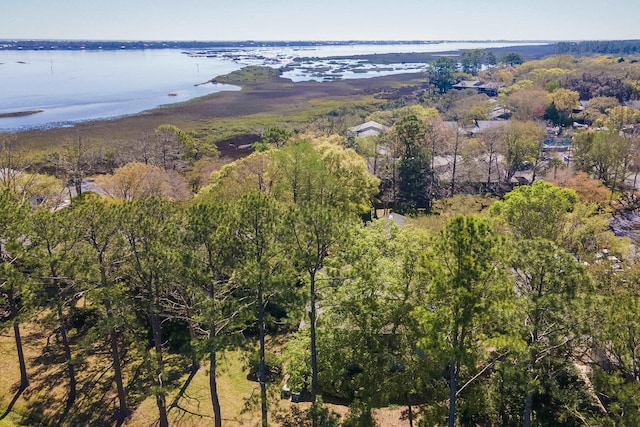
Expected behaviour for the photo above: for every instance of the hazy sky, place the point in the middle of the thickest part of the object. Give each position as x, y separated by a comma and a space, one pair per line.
320, 19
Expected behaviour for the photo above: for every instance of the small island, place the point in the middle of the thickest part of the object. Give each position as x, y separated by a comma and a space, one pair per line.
19, 114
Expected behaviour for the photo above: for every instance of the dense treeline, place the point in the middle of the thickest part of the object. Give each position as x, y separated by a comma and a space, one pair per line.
499, 319
617, 47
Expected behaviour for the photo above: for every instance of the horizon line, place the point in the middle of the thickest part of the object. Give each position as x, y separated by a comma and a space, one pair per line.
310, 40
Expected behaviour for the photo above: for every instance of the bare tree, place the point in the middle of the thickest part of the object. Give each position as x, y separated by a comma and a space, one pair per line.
13, 166
491, 140
75, 162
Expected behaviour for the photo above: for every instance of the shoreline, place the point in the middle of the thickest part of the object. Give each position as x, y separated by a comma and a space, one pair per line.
379, 60
276, 97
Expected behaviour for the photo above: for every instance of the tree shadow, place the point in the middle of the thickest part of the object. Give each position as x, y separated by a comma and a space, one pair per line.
95, 404
183, 389
47, 400
13, 402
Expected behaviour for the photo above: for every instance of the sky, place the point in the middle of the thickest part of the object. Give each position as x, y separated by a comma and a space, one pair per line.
211, 20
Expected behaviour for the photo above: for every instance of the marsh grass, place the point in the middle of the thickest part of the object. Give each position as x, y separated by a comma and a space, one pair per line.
266, 100
249, 75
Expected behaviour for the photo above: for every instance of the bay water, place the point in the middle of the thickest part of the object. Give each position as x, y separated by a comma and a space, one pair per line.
79, 85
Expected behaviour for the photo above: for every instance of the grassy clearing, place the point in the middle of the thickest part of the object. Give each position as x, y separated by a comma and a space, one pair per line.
46, 396
10, 378
43, 401
239, 396
234, 390
10, 421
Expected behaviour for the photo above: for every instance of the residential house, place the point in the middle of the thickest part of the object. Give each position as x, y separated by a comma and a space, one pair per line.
633, 104
490, 88
478, 127
370, 128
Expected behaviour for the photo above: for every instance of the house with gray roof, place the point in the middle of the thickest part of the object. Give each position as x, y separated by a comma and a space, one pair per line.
478, 127
370, 128
490, 88
467, 84
633, 104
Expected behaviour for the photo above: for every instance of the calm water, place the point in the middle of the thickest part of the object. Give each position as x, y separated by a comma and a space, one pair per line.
72, 86
75, 86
